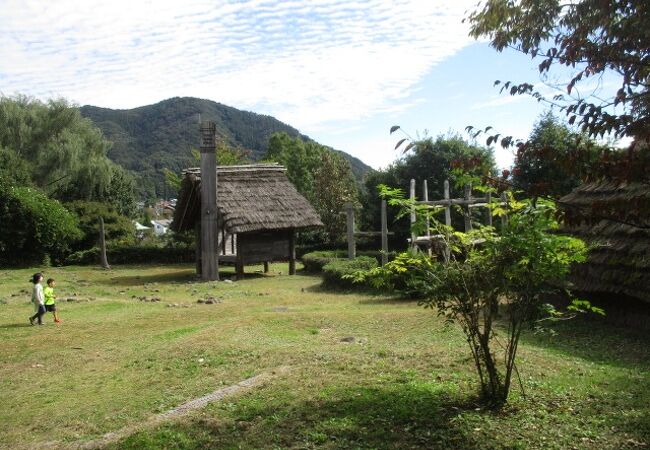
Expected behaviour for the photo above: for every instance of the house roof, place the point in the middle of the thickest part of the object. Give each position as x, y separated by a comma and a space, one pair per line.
619, 256
254, 197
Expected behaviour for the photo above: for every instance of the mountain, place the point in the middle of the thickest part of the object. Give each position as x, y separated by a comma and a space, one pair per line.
161, 136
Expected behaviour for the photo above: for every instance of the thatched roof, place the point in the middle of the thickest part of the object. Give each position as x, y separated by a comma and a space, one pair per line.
256, 197
619, 257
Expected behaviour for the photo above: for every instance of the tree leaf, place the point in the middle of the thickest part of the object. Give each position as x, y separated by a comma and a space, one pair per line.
400, 142
394, 128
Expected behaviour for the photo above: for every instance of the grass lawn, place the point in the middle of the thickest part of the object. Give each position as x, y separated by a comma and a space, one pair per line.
405, 382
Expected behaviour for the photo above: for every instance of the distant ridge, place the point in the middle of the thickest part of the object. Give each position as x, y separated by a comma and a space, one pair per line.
149, 138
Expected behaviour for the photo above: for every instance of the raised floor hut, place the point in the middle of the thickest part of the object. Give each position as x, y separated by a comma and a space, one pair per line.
259, 212
619, 256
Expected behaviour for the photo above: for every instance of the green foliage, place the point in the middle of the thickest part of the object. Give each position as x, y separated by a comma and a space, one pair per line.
321, 175
482, 272
428, 159
593, 38
118, 228
334, 185
65, 153
13, 168
555, 160
337, 273
33, 226
315, 261
134, 254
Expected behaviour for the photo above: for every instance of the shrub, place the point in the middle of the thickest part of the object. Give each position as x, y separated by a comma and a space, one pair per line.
133, 255
336, 273
118, 228
315, 261
33, 227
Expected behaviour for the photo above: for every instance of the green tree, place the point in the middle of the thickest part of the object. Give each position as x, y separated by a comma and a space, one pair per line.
554, 160
34, 227
66, 154
488, 275
592, 37
119, 229
334, 186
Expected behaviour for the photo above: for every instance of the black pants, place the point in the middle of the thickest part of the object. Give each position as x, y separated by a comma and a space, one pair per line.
39, 314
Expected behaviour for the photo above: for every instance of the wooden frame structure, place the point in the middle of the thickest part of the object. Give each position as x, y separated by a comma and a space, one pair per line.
351, 234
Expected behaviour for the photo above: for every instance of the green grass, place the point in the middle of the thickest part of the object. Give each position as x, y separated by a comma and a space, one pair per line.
405, 382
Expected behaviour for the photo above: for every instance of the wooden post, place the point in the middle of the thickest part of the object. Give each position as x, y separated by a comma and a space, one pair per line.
489, 208
425, 188
504, 217
467, 212
224, 238
209, 245
349, 211
266, 267
384, 234
102, 245
197, 234
413, 218
292, 252
239, 262
447, 207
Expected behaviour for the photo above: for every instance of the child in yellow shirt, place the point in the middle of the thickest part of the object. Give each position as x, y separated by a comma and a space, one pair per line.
50, 298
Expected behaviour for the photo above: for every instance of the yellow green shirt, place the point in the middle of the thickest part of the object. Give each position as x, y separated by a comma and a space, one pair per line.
48, 292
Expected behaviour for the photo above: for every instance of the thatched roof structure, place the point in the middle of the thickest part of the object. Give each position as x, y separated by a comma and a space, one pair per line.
256, 197
619, 257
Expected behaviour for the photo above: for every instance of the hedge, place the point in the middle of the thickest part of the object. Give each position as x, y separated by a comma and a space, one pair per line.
334, 271
315, 261
133, 255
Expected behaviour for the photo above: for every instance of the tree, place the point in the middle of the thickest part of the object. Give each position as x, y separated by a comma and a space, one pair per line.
554, 160
118, 228
66, 154
34, 227
526, 261
334, 186
591, 37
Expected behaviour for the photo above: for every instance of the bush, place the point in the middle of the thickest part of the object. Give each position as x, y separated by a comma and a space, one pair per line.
118, 228
33, 227
133, 255
335, 271
315, 261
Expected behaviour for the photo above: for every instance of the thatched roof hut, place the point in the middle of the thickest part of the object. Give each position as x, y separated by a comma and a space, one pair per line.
618, 235
256, 197
259, 210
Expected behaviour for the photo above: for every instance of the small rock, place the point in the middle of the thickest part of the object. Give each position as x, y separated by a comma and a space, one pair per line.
227, 281
209, 302
200, 301
280, 309
69, 299
349, 339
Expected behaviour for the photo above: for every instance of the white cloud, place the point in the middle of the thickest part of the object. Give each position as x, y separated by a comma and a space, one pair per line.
310, 63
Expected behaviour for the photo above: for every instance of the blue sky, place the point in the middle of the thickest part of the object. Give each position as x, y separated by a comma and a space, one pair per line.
341, 71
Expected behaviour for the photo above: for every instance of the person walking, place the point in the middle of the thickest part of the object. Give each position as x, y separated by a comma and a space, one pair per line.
38, 299
50, 299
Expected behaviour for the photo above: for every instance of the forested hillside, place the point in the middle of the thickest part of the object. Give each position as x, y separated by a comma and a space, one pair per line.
150, 138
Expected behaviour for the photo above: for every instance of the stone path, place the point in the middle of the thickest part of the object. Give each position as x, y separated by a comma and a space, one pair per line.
174, 413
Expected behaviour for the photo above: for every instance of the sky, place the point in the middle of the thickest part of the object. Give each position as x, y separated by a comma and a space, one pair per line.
341, 71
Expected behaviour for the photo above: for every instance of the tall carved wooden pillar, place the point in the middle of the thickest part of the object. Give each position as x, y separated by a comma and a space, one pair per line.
209, 260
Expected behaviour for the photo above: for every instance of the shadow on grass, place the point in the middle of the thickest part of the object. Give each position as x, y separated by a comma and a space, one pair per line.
356, 417
596, 341
171, 277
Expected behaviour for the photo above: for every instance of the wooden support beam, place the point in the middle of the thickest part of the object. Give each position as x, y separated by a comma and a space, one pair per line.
292, 252
489, 209
266, 267
197, 235
349, 212
448, 206
425, 197
384, 234
467, 213
209, 245
413, 217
